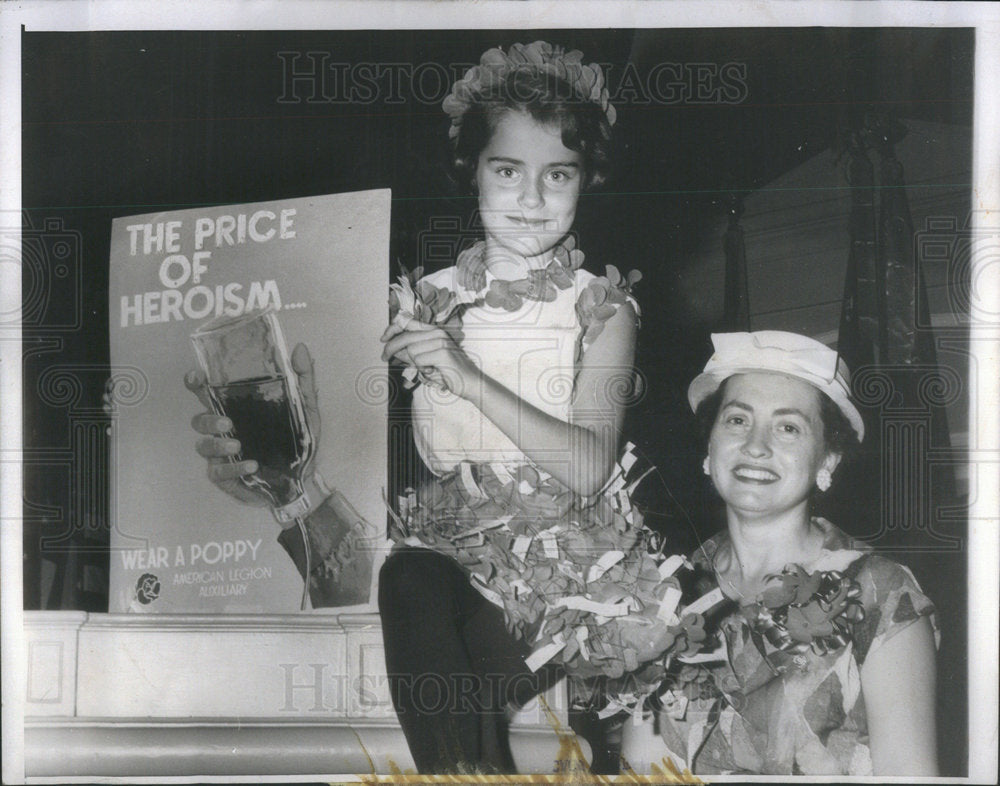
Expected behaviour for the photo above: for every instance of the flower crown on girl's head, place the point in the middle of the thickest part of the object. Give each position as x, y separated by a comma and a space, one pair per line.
587, 81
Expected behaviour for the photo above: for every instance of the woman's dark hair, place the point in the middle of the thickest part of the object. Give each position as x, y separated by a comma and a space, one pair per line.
548, 100
839, 435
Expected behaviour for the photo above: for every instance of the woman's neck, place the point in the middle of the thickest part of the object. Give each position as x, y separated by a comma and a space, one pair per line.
761, 547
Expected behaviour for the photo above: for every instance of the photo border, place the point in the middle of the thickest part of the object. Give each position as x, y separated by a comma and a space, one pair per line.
304, 14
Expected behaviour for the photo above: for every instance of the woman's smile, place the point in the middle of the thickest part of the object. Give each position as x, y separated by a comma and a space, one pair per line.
767, 443
750, 474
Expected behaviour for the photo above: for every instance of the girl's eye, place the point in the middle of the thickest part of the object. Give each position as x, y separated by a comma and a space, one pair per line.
507, 171
789, 429
560, 176
735, 420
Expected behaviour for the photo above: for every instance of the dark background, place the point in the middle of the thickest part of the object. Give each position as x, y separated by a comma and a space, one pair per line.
117, 124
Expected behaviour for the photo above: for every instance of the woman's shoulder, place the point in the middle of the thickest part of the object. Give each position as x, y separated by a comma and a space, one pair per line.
888, 584
845, 553
881, 579
888, 592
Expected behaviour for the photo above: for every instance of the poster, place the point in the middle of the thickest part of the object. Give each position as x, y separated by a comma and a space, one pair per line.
319, 263
119, 110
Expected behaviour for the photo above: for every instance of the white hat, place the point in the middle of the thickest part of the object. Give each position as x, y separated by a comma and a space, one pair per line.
783, 353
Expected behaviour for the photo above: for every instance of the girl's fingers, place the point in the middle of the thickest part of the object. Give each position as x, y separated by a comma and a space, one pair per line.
423, 360
413, 326
416, 331
434, 353
411, 356
389, 332
395, 344
404, 357
415, 342
421, 327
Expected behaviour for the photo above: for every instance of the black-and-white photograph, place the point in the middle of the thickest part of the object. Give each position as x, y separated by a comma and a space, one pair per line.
427, 389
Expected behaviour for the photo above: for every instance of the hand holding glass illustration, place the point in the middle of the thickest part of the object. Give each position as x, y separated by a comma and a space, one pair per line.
262, 426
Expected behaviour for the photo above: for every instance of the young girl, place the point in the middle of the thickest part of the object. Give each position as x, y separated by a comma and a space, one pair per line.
517, 414
524, 545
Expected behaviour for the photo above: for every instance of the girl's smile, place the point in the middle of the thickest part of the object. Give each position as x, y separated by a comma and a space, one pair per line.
528, 184
534, 223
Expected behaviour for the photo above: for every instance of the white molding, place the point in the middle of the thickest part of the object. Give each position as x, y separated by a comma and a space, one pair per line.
92, 747
309, 621
89, 748
206, 696
50, 662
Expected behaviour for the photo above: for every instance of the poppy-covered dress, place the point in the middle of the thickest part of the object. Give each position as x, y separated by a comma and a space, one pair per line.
792, 711
565, 569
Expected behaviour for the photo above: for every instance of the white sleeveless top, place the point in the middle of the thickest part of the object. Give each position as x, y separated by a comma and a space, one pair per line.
531, 351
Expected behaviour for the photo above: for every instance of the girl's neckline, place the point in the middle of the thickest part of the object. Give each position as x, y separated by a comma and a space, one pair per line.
481, 287
539, 275
504, 264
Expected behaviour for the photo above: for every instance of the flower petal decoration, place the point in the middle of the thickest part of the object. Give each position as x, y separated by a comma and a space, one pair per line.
775, 597
412, 298
600, 301
806, 611
595, 623
491, 57
586, 81
500, 295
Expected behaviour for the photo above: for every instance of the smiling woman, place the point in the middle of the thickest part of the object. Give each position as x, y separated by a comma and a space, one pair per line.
827, 658
767, 447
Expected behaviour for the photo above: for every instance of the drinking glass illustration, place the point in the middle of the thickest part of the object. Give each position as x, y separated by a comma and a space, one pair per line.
251, 382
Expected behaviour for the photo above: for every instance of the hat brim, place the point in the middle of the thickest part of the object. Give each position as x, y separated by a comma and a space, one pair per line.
706, 383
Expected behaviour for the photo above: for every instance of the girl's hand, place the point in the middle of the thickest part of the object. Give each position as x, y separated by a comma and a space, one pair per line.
433, 351
218, 449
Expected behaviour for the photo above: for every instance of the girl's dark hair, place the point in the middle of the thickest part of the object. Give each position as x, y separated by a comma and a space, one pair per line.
839, 435
546, 99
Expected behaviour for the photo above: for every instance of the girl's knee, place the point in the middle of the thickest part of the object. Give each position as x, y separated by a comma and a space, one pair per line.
412, 577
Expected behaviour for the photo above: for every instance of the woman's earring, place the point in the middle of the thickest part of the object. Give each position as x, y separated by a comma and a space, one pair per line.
823, 479
706, 468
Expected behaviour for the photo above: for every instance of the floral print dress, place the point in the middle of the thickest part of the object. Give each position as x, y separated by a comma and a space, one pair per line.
781, 712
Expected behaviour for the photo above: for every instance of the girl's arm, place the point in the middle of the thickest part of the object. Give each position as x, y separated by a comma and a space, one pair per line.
579, 454
898, 684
